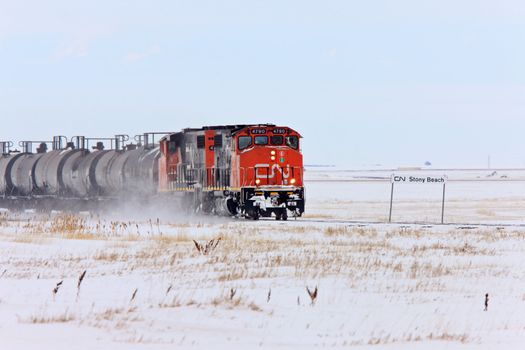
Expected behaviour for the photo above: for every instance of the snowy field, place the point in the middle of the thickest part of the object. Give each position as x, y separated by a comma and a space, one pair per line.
412, 284
471, 196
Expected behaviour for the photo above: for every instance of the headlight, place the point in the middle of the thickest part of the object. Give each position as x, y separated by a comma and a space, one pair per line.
292, 181
257, 181
272, 153
272, 157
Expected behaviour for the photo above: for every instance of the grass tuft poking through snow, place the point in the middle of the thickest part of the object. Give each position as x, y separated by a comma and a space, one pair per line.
178, 283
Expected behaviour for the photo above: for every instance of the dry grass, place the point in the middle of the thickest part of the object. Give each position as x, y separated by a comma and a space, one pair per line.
67, 224
79, 235
295, 229
114, 318
110, 256
405, 263
483, 212
318, 216
388, 339
167, 240
173, 303
345, 230
29, 238
237, 302
337, 230
360, 252
112, 312
61, 317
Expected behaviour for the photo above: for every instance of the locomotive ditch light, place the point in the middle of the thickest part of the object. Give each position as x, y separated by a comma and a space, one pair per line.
257, 181
292, 181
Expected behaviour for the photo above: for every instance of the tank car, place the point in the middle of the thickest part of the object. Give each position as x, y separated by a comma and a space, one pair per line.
72, 173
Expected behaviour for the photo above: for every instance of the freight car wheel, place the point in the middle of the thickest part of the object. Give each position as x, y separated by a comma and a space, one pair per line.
281, 215
254, 213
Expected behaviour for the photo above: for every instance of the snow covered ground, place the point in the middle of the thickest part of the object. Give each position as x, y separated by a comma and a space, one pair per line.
472, 196
380, 286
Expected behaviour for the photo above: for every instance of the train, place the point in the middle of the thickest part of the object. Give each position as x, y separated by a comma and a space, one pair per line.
250, 171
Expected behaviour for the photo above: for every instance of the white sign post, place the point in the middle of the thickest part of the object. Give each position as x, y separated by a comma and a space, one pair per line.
407, 179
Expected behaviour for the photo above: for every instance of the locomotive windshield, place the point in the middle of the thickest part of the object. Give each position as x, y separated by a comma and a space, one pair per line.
172, 147
292, 141
276, 140
261, 140
244, 142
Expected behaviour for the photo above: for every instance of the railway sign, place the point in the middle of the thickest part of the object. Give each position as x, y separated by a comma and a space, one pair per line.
408, 179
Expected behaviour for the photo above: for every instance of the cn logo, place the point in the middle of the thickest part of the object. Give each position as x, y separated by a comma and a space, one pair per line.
275, 168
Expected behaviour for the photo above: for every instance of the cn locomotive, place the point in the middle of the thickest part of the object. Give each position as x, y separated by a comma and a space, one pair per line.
251, 171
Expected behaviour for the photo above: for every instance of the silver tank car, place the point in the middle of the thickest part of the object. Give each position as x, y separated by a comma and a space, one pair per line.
76, 173
5, 159
102, 173
46, 174
148, 170
6, 162
141, 170
87, 185
49, 175
109, 173
70, 177
21, 174
115, 172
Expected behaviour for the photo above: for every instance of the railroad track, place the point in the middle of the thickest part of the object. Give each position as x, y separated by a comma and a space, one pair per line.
459, 225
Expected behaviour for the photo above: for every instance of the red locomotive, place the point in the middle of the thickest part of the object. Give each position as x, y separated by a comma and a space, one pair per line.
249, 170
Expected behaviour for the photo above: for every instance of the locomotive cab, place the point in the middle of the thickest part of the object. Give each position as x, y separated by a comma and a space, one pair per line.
268, 166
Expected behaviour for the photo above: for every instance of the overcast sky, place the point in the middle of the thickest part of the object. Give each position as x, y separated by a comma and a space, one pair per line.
365, 82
